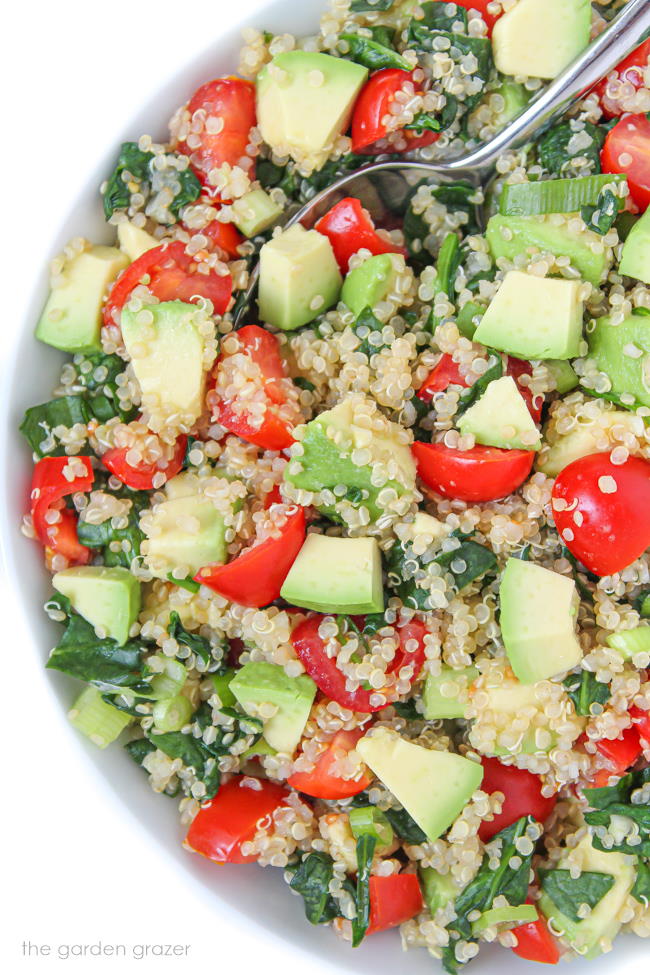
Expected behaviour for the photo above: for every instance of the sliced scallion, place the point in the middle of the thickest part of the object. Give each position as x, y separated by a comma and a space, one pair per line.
630, 642
555, 195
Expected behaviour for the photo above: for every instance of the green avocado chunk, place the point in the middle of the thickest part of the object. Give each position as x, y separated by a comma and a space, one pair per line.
635, 261
109, 598
445, 694
622, 352
368, 284
259, 683
336, 575
540, 38
500, 418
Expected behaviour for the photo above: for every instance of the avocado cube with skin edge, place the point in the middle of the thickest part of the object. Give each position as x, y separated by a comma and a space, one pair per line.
534, 318
258, 683
299, 278
365, 286
336, 575
500, 418
107, 597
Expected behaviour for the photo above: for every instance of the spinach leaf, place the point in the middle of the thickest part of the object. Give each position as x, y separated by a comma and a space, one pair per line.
383, 35
139, 749
368, 324
369, 6
405, 826
119, 545
131, 162
568, 893
404, 570
39, 422
476, 390
423, 38
456, 197
601, 217
509, 881
608, 795
584, 690
197, 644
425, 121
270, 175
193, 754
477, 558
327, 174
407, 710
642, 312
617, 800
438, 14
98, 373
641, 889
372, 55
578, 573
311, 880
190, 190
82, 654
554, 151
373, 622
365, 852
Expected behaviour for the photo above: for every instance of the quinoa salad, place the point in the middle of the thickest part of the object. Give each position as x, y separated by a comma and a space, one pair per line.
361, 580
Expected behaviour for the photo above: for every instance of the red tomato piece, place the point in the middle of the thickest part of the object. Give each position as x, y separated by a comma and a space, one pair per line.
232, 101
523, 796
621, 753
534, 942
232, 818
348, 228
273, 497
224, 237
444, 374
627, 150
275, 430
476, 475
323, 670
140, 476
393, 900
611, 502
628, 73
322, 782
518, 368
374, 103
256, 576
49, 487
641, 721
482, 7
172, 275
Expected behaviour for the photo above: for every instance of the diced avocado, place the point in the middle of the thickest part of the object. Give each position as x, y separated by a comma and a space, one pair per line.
186, 531
109, 598
221, 684
259, 683
540, 38
468, 318
367, 285
329, 443
433, 786
563, 373
431, 529
438, 888
510, 236
445, 695
538, 616
622, 352
167, 357
254, 212
595, 934
304, 103
500, 418
598, 436
96, 719
299, 278
134, 241
635, 261
336, 575
534, 318
72, 317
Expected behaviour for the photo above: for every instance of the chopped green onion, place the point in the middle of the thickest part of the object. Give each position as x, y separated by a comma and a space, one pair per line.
523, 914
170, 680
370, 821
555, 195
630, 642
96, 719
172, 714
187, 583
221, 684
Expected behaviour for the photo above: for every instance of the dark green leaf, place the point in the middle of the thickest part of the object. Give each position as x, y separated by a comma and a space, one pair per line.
383, 35
188, 583
189, 192
369, 6
601, 217
642, 312
439, 15
372, 55
584, 690
423, 38
641, 889
81, 654
568, 893
39, 421
303, 383
477, 558
193, 754
139, 749
554, 151
365, 852
119, 545
425, 121
408, 710
610, 794
197, 644
617, 800
132, 161
477, 389
366, 325
373, 622
311, 880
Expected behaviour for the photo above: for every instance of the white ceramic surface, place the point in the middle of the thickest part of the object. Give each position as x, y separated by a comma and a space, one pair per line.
259, 895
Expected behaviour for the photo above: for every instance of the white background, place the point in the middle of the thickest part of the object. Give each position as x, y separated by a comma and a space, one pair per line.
73, 74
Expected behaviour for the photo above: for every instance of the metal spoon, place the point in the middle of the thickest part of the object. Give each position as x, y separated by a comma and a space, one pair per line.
395, 178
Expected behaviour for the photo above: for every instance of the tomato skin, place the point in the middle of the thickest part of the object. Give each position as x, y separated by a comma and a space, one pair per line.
374, 103
393, 900
232, 100
274, 433
477, 475
140, 477
230, 819
615, 528
321, 783
534, 942
224, 237
621, 753
518, 368
310, 650
523, 796
630, 138
172, 276
48, 488
444, 374
255, 577
348, 228
641, 721
630, 71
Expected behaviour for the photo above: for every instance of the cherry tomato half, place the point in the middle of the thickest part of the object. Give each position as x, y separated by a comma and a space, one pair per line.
373, 105
171, 275
621, 753
629, 73
393, 900
602, 511
232, 817
255, 577
230, 101
348, 228
627, 151
523, 796
534, 942
322, 782
49, 487
477, 475
224, 238
140, 476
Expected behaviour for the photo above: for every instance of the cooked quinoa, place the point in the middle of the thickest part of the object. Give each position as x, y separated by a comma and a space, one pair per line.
365, 618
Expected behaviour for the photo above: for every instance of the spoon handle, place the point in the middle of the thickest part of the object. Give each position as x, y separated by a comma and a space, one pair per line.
601, 57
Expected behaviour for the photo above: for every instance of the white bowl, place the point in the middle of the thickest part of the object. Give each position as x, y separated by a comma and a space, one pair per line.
260, 896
